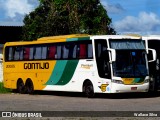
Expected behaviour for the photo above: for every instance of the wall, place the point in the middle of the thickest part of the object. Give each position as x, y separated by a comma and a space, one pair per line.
1, 64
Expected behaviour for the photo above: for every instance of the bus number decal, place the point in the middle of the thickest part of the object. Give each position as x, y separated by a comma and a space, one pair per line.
36, 65
10, 66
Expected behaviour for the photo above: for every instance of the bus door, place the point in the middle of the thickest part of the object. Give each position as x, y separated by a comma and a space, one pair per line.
102, 59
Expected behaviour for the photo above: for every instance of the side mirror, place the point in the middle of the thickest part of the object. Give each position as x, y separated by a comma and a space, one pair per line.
113, 54
153, 54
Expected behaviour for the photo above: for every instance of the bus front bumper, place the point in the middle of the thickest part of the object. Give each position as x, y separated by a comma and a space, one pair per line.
121, 88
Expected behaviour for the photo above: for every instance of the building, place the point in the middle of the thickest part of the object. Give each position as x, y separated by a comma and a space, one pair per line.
10, 33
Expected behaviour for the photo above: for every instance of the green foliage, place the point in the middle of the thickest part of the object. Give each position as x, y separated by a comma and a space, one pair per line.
60, 17
4, 90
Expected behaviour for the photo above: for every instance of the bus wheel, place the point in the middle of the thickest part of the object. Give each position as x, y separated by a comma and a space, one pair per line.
29, 87
20, 87
88, 89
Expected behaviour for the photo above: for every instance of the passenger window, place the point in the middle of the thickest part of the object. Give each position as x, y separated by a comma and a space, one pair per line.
74, 51
52, 52
38, 53
59, 50
21, 53
82, 53
44, 52
16, 53
90, 51
65, 51
10, 53
26, 53
31, 53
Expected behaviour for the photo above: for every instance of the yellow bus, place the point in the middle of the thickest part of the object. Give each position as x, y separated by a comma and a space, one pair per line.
77, 63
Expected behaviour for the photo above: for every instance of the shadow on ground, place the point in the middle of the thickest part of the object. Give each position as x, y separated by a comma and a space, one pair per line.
104, 96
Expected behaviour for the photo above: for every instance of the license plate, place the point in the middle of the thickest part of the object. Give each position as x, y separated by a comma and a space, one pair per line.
133, 88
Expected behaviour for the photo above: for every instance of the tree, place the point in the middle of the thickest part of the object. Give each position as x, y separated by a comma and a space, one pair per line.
60, 17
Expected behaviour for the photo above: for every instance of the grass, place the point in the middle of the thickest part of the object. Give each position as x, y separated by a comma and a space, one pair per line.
4, 90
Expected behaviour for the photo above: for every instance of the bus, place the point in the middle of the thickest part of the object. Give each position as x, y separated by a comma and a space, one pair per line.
77, 63
153, 42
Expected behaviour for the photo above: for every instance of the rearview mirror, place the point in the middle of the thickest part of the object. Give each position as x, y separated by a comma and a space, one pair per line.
113, 54
152, 54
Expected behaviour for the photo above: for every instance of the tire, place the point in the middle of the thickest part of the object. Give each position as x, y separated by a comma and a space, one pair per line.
29, 87
88, 89
20, 87
153, 84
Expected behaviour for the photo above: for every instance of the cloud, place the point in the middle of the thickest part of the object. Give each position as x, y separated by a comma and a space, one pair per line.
112, 8
14, 7
144, 23
15, 10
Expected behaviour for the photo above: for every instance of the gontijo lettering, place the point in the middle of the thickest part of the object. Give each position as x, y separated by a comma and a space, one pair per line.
44, 65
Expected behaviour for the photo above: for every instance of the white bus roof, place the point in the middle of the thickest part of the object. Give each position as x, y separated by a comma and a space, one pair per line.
115, 37
151, 37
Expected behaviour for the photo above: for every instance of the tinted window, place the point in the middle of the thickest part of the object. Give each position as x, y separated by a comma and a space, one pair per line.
54, 51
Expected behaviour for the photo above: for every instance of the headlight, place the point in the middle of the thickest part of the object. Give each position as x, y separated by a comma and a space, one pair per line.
146, 80
117, 81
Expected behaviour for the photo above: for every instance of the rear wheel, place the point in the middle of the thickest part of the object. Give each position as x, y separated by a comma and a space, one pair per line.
29, 87
20, 87
88, 89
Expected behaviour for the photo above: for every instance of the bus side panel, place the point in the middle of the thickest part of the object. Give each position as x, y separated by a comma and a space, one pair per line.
74, 75
36, 71
84, 71
9, 75
61, 75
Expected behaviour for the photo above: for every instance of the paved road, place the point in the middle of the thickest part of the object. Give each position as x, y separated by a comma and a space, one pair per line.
60, 101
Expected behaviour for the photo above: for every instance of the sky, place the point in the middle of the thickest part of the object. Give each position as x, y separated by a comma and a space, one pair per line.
134, 16
12, 12
128, 16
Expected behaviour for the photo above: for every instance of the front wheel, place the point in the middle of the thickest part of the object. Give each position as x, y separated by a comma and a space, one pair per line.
88, 89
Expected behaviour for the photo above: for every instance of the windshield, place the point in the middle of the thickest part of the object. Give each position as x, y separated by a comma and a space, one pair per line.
130, 63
